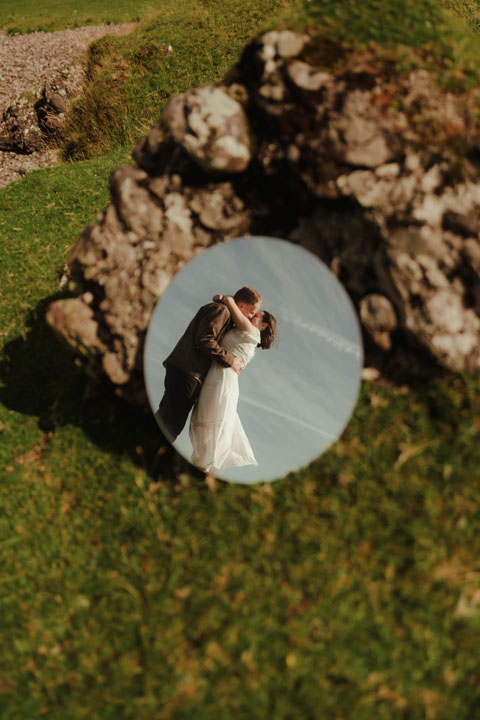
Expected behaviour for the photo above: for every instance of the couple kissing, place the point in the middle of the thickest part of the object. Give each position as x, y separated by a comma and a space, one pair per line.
202, 372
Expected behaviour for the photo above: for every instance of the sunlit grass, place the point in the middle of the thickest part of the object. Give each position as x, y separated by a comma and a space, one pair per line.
469, 10
23, 16
346, 590
128, 592
131, 77
439, 36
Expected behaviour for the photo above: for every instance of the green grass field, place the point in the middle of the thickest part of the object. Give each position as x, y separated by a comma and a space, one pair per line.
349, 590
23, 16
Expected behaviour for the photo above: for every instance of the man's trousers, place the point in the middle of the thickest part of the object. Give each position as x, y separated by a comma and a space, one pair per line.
181, 393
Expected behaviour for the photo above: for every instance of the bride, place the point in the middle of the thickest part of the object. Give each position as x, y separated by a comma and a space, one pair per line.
218, 438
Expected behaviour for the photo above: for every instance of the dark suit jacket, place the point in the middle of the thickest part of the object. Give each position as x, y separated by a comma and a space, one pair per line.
199, 344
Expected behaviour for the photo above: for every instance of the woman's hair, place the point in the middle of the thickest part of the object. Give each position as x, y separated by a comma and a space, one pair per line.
247, 295
267, 336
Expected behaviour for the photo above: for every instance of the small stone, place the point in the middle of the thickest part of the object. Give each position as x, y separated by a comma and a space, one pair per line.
365, 146
389, 171
271, 91
360, 132
379, 318
370, 374
430, 211
308, 78
212, 127
445, 310
412, 162
73, 320
114, 369
293, 153
58, 102
431, 180
133, 202
290, 43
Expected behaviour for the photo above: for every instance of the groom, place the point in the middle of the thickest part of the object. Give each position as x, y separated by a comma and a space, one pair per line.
189, 362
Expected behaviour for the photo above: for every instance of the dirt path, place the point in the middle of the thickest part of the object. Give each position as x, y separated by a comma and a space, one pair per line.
26, 62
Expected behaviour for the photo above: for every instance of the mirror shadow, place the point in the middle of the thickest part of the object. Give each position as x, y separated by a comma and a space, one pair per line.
294, 398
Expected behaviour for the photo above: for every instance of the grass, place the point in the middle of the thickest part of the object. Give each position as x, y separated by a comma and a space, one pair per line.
24, 16
347, 590
40, 218
469, 10
414, 23
130, 78
413, 33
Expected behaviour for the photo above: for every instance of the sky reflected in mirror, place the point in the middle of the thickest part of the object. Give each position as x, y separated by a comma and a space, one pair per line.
295, 398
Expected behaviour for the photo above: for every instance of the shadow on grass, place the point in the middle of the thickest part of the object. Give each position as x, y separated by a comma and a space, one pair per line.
41, 378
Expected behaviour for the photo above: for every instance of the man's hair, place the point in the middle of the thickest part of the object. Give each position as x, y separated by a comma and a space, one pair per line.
247, 295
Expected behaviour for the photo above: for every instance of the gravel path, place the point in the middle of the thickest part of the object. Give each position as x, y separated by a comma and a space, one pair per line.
26, 62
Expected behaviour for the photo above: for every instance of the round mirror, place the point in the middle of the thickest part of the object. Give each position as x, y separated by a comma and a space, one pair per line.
300, 360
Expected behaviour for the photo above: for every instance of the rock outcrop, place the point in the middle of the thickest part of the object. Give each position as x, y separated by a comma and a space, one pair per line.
41, 76
374, 170
30, 122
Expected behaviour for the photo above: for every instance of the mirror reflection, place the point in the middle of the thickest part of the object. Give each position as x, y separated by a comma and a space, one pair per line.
253, 359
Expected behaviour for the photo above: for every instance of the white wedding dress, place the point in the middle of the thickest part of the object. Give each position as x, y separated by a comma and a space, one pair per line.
218, 438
